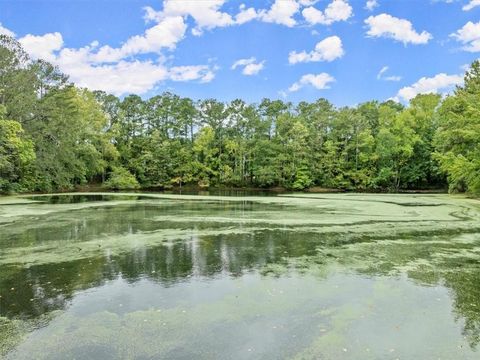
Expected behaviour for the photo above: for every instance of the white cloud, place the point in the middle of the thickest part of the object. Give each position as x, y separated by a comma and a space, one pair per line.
206, 13
115, 70
371, 4
307, 2
337, 10
472, 4
166, 34
385, 25
192, 72
469, 35
125, 76
120, 78
392, 78
381, 73
253, 69
281, 12
245, 15
118, 70
328, 49
242, 62
5, 31
250, 66
320, 82
440, 82
43, 46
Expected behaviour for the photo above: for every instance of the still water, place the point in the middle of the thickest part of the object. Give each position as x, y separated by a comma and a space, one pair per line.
155, 276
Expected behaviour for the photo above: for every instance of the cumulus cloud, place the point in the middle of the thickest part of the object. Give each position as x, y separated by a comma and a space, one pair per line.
43, 46
281, 12
328, 49
307, 2
371, 4
116, 69
381, 75
320, 82
5, 31
166, 34
119, 70
245, 15
440, 82
385, 25
120, 78
337, 10
193, 72
206, 14
469, 35
472, 4
250, 66
125, 76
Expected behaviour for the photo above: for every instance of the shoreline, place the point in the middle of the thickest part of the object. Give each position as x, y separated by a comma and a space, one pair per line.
239, 191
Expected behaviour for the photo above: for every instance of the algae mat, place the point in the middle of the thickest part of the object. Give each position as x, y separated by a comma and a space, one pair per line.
157, 276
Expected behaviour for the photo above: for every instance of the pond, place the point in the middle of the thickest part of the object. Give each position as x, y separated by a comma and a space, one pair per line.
299, 276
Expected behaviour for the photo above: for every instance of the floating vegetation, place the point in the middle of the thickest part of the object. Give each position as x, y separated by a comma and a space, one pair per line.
331, 276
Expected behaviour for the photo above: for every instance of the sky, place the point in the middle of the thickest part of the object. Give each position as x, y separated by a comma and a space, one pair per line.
347, 51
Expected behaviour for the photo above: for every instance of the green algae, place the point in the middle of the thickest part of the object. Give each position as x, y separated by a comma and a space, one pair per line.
339, 329
353, 216
60, 251
304, 276
14, 331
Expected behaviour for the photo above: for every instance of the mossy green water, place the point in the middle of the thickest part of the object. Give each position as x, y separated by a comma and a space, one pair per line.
330, 276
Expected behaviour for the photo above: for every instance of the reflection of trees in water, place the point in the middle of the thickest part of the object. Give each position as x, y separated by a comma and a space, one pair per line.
431, 259
466, 294
30, 292
94, 221
52, 286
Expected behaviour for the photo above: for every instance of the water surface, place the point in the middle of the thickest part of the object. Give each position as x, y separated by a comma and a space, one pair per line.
155, 276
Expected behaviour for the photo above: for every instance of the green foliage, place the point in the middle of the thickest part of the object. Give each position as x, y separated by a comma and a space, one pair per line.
121, 179
303, 179
457, 140
69, 139
82, 137
16, 156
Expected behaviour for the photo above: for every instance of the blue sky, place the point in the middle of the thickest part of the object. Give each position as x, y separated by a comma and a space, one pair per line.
346, 51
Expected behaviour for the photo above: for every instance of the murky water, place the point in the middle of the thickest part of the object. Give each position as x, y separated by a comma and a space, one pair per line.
330, 276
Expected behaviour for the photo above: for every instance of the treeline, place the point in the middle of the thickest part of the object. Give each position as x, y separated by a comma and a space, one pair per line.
55, 136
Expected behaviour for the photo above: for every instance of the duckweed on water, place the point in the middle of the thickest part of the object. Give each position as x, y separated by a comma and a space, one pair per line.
331, 276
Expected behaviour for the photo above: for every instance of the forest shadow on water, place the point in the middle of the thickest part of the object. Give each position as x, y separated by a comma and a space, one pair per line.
149, 276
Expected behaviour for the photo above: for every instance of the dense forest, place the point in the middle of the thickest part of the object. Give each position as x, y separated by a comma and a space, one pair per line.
56, 136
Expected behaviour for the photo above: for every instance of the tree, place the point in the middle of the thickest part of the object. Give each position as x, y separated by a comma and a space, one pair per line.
422, 169
457, 141
121, 179
207, 160
18, 81
70, 144
16, 156
396, 141
81, 137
